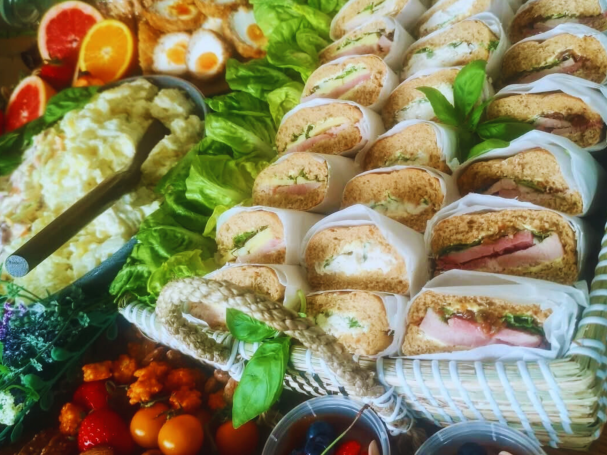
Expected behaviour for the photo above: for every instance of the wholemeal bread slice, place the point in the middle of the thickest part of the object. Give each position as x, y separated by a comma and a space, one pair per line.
575, 119
355, 257
447, 12
357, 319
414, 145
299, 182
408, 103
535, 169
257, 278
410, 196
355, 13
581, 56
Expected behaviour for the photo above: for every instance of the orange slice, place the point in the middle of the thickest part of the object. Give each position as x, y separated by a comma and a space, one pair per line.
107, 51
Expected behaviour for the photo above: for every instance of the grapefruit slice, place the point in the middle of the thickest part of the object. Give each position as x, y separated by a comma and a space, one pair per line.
27, 102
63, 28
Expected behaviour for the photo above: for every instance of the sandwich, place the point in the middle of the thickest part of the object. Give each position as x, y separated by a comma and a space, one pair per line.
408, 103
218, 8
241, 29
355, 257
438, 322
533, 175
171, 15
366, 80
332, 127
356, 12
408, 195
207, 55
303, 181
358, 319
538, 16
417, 143
381, 36
456, 45
525, 242
554, 112
569, 49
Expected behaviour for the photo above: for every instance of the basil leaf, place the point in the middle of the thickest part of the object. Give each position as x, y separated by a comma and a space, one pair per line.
487, 146
67, 100
504, 129
32, 381
477, 114
466, 140
261, 382
442, 107
468, 87
244, 328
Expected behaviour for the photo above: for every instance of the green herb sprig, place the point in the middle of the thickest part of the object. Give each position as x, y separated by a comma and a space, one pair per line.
475, 137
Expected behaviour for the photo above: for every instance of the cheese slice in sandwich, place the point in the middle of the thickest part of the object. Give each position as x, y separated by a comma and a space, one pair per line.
553, 112
532, 175
408, 195
355, 257
362, 79
532, 243
566, 53
357, 319
415, 144
448, 12
538, 16
252, 237
408, 103
456, 45
439, 322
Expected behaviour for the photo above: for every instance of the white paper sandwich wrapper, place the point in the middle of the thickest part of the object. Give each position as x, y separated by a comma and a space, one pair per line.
295, 225
571, 29
594, 95
292, 277
370, 126
564, 301
389, 82
341, 171
412, 10
396, 307
495, 59
472, 203
408, 243
446, 139
580, 170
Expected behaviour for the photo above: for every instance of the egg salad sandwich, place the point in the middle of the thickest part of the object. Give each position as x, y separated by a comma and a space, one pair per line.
332, 127
406, 194
568, 49
414, 142
356, 12
171, 15
241, 29
538, 16
358, 319
438, 322
516, 241
457, 45
532, 175
408, 103
207, 55
366, 80
380, 36
304, 181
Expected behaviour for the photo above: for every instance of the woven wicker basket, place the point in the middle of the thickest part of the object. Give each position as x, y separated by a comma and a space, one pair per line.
561, 403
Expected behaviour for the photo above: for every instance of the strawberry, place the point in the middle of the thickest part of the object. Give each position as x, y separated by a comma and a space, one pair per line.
92, 395
105, 427
58, 74
1, 122
349, 448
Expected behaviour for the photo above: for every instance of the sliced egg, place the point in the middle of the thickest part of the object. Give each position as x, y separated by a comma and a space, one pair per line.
244, 24
213, 23
176, 9
207, 54
170, 53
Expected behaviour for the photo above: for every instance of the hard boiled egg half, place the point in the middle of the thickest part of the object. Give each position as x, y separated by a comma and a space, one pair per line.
207, 55
170, 54
244, 33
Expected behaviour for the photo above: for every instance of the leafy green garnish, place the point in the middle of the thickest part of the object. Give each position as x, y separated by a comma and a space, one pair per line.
383, 204
524, 322
400, 158
455, 44
349, 41
353, 323
458, 247
244, 328
241, 239
493, 45
371, 7
531, 184
425, 50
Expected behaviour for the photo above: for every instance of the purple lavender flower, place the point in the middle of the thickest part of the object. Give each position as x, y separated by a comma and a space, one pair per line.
8, 313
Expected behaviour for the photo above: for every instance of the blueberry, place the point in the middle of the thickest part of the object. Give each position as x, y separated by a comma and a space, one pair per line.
318, 444
471, 448
320, 428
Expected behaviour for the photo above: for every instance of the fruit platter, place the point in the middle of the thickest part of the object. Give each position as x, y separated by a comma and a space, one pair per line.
303, 227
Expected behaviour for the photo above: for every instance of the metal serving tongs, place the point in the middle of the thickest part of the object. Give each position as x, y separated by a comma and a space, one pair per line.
81, 213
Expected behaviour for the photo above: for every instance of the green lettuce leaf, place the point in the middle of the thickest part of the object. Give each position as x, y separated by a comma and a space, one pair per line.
241, 103
256, 77
180, 265
283, 99
246, 135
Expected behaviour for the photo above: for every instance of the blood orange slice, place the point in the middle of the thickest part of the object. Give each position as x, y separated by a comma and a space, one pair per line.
62, 29
27, 102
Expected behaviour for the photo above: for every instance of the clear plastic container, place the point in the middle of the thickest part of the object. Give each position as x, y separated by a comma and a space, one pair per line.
448, 440
327, 406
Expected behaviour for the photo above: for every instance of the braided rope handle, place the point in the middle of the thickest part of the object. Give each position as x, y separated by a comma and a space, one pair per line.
169, 310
